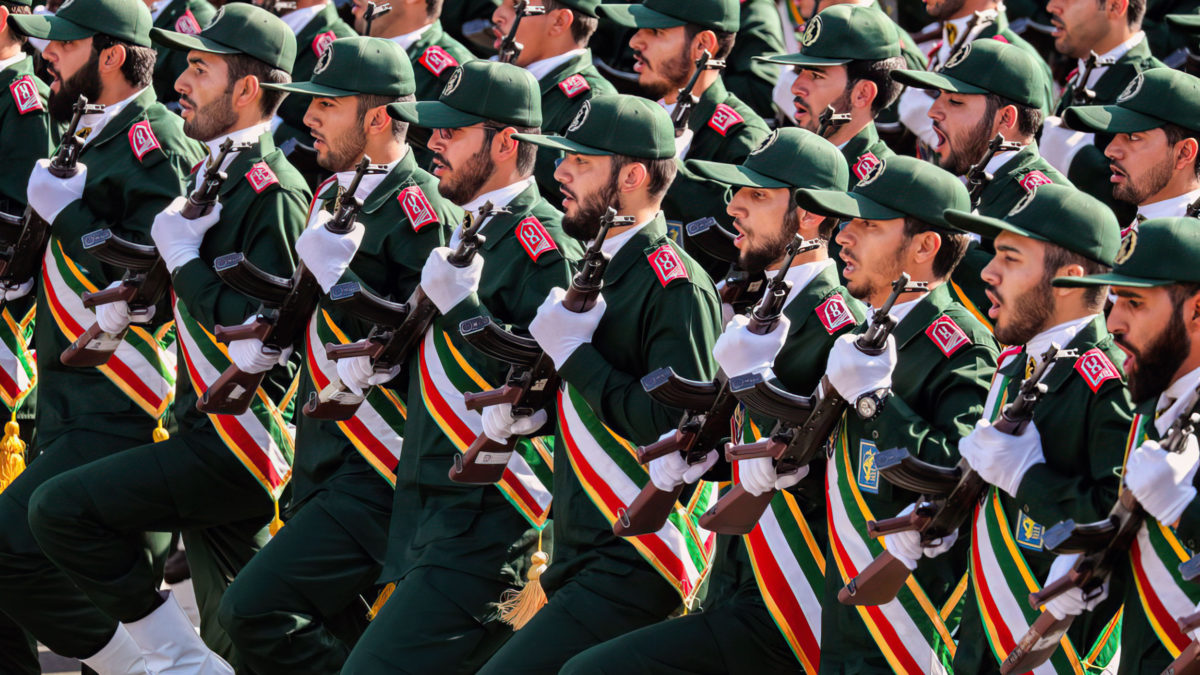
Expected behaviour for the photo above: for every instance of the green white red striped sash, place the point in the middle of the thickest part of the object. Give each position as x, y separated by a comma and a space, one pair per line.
261, 437
607, 467
140, 367
445, 376
377, 428
18, 364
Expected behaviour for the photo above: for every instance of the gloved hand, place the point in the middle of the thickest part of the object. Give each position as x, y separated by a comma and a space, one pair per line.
906, 546
49, 194
671, 470
560, 331
853, 373
999, 458
683, 143
1161, 480
1071, 603
17, 291
325, 254
499, 424
115, 317
447, 285
177, 238
758, 475
249, 357
738, 351
358, 374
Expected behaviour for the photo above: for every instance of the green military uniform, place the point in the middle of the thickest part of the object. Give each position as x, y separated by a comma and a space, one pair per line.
759, 32
433, 56
457, 13
84, 415
332, 549
182, 16
453, 549
564, 91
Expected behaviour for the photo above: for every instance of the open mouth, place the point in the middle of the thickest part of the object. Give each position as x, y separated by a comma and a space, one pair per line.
1118, 175
993, 311
942, 138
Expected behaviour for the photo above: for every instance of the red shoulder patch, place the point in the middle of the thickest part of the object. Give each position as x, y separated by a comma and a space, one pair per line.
321, 42
947, 335
574, 85
666, 264
417, 207
534, 238
260, 177
1096, 369
1000, 38
142, 139
864, 164
436, 60
187, 24
834, 314
724, 118
1034, 178
25, 95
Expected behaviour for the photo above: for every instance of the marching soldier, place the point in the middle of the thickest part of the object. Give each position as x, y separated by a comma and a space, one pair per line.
333, 546
751, 608
620, 152
556, 53
181, 16
453, 549
1153, 162
28, 130
925, 391
134, 160
760, 31
216, 479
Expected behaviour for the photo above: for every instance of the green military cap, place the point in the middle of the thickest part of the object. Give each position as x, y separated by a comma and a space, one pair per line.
1153, 98
586, 6
841, 34
127, 20
1158, 252
1190, 23
722, 15
896, 187
985, 67
615, 124
1057, 214
788, 158
357, 65
478, 91
238, 28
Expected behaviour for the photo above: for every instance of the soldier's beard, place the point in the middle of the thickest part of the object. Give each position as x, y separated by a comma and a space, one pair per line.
345, 155
758, 258
968, 150
1138, 191
866, 288
1027, 314
463, 184
85, 81
674, 75
212, 120
585, 224
1158, 362
945, 10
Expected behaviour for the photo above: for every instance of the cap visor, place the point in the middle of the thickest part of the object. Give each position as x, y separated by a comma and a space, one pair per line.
844, 205
1110, 279
49, 27
801, 60
186, 43
1109, 119
637, 16
311, 89
986, 226
556, 142
928, 80
433, 115
1184, 20
733, 174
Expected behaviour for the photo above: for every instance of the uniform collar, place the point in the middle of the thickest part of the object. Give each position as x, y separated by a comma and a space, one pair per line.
634, 249
263, 146
500, 197
1172, 207
859, 143
1062, 334
1000, 159
13, 61
520, 197
801, 276
366, 186
297, 19
613, 244
1115, 54
409, 39
1173, 399
97, 121
249, 134
915, 316
540, 69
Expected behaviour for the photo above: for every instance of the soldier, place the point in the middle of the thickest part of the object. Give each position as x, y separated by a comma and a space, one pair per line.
134, 160
1153, 162
671, 36
750, 608
760, 31
453, 549
1049, 472
620, 153
1187, 56
927, 389
181, 16
989, 89
217, 477
27, 126
1157, 284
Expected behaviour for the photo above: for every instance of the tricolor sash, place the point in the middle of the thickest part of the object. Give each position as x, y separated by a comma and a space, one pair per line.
445, 376
140, 367
607, 467
18, 364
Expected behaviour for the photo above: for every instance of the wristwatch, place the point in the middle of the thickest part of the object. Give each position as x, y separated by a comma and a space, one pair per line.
870, 404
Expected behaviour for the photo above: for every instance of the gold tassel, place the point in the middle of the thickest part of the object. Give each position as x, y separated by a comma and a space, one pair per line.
518, 608
380, 601
12, 453
276, 522
160, 432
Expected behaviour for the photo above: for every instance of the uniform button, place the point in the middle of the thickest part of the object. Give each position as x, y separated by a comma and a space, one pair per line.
874, 434
1025, 508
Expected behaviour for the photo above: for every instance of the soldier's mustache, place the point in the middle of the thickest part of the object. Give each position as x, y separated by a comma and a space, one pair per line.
440, 159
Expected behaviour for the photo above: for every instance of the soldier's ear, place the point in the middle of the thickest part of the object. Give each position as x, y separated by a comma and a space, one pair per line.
246, 92
632, 176
863, 94
112, 58
1185, 154
705, 39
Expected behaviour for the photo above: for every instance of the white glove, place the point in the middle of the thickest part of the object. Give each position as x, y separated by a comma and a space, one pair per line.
17, 291
177, 238
1161, 480
672, 470
683, 143
1071, 603
115, 317
499, 423
447, 285
906, 546
358, 374
999, 458
853, 373
758, 475
560, 331
738, 351
49, 194
248, 354
325, 254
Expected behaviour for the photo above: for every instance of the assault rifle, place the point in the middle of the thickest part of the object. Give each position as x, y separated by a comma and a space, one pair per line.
510, 49
1102, 545
707, 409
975, 27
978, 177
688, 101
830, 119
373, 12
1080, 94
285, 309
146, 277
740, 289
804, 424
948, 495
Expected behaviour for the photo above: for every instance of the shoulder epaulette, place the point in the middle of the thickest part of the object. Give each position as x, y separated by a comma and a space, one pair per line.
574, 85
864, 164
417, 207
25, 94
534, 238
436, 60
142, 139
1034, 178
667, 265
724, 118
260, 176
834, 313
947, 335
1096, 369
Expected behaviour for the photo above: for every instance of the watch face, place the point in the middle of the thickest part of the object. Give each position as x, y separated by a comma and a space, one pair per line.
866, 406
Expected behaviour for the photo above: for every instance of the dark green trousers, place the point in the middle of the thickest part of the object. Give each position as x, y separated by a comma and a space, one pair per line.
18, 650
297, 606
90, 522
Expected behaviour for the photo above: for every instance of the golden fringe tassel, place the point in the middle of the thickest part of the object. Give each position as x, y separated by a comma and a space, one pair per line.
518, 608
12, 453
380, 601
276, 522
160, 432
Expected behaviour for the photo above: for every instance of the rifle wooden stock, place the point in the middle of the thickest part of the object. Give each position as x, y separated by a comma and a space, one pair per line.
909, 522
92, 348
1055, 588
226, 334
663, 447
106, 296
231, 393
1188, 662
737, 512
350, 350
878, 583
333, 402
1189, 623
483, 463
647, 512
1037, 645
477, 401
767, 447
